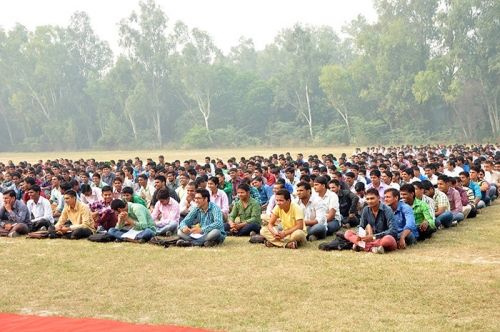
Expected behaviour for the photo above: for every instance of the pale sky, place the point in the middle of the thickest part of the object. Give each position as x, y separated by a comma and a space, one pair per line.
225, 20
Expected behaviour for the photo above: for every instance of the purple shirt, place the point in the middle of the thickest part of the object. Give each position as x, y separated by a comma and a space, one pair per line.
455, 200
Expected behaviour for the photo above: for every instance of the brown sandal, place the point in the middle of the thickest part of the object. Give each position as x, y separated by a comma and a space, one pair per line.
268, 244
291, 245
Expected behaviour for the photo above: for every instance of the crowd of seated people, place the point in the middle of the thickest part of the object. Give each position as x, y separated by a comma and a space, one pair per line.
377, 200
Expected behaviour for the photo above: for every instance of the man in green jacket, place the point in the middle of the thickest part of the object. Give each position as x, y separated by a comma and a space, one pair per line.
423, 217
134, 219
244, 218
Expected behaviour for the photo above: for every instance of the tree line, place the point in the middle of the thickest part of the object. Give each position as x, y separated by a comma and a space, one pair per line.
425, 70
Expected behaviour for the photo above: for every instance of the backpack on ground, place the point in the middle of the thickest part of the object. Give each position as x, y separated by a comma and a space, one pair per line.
339, 243
100, 237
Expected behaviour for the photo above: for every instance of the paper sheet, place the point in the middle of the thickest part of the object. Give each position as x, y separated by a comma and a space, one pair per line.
195, 235
131, 234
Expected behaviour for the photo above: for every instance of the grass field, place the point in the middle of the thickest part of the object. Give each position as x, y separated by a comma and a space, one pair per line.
450, 282
171, 155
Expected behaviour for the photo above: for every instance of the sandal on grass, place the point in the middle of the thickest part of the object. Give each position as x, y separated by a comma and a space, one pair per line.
268, 244
291, 245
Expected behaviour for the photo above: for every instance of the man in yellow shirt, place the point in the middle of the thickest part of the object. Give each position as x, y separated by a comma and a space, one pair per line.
292, 222
76, 220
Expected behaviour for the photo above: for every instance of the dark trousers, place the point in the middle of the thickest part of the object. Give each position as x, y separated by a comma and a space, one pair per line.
332, 227
425, 235
78, 233
245, 231
35, 226
352, 222
472, 213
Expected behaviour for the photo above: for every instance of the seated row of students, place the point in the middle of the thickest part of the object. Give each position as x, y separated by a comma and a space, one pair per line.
286, 214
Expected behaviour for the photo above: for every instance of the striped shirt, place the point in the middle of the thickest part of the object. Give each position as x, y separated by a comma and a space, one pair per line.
209, 220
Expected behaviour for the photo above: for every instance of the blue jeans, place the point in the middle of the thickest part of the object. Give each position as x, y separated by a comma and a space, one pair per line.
493, 191
214, 235
445, 219
317, 230
332, 227
410, 239
145, 235
459, 216
170, 227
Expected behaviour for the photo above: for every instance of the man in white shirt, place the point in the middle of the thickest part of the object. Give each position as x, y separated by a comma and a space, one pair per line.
314, 212
40, 209
331, 200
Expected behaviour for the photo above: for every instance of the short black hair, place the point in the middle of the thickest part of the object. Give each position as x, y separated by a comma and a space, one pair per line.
204, 193
106, 188
163, 194
304, 184
35, 188
394, 192
244, 186
118, 204
285, 193
30, 181
85, 188
10, 193
372, 191
214, 179
128, 190
161, 178
71, 193
407, 188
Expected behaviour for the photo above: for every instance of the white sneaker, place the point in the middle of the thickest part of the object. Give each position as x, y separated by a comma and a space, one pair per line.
378, 250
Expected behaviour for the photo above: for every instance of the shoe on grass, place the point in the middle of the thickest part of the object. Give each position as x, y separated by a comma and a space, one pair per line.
210, 244
257, 238
183, 243
378, 250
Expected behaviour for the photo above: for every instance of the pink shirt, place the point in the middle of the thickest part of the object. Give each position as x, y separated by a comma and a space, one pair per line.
166, 213
220, 199
94, 197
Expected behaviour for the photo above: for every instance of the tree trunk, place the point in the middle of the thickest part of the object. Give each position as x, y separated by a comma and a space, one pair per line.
158, 128
132, 123
205, 111
7, 125
309, 113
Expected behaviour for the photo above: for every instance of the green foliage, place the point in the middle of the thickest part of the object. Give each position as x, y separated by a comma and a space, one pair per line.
424, 70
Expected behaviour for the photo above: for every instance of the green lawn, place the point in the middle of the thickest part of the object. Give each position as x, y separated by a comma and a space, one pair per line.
448, 283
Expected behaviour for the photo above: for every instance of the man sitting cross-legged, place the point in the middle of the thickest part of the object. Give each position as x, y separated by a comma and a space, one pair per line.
102, 214
292, 222
166, 214
404, 220
424, 218
40, 209
14, 216
244, 219
210, 231
377, 220
348, 204
132, 216
75, 221
314, 212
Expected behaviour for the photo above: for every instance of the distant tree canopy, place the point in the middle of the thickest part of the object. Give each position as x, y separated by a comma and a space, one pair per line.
425, 70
